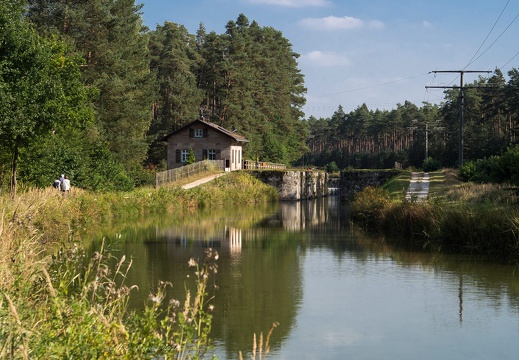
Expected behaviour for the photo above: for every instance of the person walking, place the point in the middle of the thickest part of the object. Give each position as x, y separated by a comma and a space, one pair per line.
65, 186
57, 184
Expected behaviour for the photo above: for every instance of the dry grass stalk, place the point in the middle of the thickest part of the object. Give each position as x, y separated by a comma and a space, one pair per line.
260, 347
14, 313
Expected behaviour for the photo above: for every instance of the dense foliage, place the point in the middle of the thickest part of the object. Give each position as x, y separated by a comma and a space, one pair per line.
493, 169
41, 94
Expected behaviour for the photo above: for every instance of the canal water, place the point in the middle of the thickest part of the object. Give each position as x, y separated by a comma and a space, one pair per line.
336, 291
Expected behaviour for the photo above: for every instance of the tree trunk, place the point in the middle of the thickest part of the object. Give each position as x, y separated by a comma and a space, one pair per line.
14, 166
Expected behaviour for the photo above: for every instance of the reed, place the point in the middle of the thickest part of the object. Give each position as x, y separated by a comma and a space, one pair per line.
469, 218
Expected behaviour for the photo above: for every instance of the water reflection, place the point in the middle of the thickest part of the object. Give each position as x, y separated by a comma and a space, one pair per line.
336, 291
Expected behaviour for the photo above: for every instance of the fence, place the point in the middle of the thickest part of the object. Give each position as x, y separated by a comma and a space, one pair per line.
253, 165
183, 172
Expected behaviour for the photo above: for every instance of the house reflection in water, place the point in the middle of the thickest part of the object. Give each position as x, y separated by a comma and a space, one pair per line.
228, 235
226, 239
232, 243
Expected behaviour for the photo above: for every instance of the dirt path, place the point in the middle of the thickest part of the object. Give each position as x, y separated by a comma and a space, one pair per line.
418, 187
202, 181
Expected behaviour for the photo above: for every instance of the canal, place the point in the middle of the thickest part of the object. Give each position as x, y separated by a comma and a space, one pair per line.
336, 291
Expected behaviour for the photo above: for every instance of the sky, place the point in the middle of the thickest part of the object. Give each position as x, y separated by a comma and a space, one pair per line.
374, 52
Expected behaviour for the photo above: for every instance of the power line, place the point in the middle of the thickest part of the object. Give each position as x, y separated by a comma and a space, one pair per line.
372, 86
488, 48
513, 57
480, 46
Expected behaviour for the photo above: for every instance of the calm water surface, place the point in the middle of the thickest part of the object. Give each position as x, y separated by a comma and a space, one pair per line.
336, 292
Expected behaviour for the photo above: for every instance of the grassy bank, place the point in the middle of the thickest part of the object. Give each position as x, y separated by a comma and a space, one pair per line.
54, 303
470, 218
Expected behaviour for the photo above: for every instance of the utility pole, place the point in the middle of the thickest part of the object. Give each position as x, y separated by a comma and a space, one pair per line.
461, 103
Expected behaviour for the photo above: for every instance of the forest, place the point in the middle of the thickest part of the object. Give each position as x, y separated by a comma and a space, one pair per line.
411, 135
86, 89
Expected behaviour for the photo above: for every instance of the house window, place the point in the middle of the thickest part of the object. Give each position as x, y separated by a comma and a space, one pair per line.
183, 156
211, 154
199, 133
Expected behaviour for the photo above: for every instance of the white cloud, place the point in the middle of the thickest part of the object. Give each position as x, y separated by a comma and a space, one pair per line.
426, 23
292, 3
325, 59
334, 22
376, 24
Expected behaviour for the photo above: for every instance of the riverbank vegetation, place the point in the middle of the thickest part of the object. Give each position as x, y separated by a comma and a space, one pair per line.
56, 303
473, 218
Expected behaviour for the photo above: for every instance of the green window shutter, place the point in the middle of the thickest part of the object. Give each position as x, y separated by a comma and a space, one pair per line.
177, 153
204, 154
191, 133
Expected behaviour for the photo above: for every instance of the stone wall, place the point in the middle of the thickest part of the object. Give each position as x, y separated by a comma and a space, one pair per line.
353, 181
295, 185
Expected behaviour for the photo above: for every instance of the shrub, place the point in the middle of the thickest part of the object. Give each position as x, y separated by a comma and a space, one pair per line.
431, 164
467, 172
488, 170
509, 162
332, 167
369, 204
190, 157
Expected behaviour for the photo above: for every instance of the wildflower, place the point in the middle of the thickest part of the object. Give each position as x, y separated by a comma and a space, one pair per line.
157, 299
191, 262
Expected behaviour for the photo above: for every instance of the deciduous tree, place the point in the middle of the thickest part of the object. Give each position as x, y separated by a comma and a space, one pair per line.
40, 86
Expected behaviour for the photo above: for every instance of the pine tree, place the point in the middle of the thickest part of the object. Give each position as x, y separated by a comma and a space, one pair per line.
252, 83
174, 62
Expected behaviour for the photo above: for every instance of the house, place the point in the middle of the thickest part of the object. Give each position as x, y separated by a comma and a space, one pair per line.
208, 141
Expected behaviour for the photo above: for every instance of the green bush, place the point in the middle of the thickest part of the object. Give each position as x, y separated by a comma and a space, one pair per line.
467, 172
332, 167
431, 164
509, 162
105, 174
488, 170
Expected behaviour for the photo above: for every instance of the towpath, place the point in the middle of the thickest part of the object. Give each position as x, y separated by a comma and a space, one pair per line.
418, 187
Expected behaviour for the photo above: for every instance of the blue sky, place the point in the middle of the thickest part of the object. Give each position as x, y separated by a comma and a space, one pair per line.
378, 52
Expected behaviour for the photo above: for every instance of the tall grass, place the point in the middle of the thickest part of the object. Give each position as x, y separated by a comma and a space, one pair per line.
468, 218
55, 303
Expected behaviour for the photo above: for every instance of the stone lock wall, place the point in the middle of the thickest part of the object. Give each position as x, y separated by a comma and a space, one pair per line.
295, 185
356, 180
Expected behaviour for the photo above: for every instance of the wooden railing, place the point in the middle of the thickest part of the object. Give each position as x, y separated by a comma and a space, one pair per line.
171, 175
254, 165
